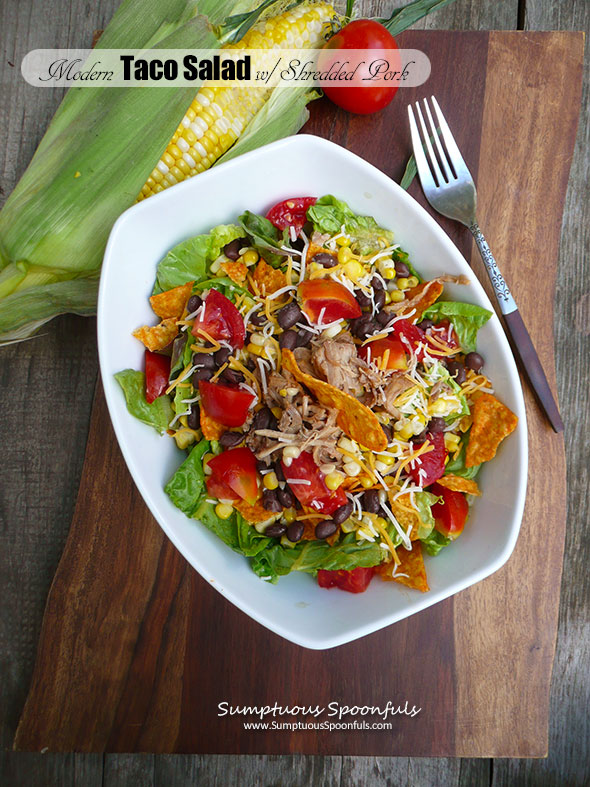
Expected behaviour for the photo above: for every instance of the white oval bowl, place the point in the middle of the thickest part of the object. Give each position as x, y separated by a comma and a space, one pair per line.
296, 608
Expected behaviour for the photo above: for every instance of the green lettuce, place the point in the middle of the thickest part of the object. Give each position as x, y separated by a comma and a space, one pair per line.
235, 531
186, 489
265, 237
457, 466
330, 215
188, 261
425, 501
434, 542
157, 414
467, 319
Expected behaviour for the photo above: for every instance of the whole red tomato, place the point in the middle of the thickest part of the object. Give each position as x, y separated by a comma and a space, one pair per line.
359, 95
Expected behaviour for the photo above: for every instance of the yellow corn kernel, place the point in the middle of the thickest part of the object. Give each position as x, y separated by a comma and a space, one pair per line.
353, 269
438, 408
206, 459
291, 452
348, 526
290, 515
184, 439
388, 461
270, 480
403, 284
255, 350
413, 281
352, 469
389, 273
224, 510
250, 257
344, 254
333, 480
366, 482
406, 432
451, 441
258, 338
347, 445
396, 296
276, 411
343, 241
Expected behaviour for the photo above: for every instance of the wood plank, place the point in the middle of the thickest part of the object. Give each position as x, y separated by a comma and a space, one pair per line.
541, 130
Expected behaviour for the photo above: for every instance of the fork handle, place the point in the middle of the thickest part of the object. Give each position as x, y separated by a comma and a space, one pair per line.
522, 344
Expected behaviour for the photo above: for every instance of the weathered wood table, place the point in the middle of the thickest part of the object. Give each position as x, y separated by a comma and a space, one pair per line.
47, 389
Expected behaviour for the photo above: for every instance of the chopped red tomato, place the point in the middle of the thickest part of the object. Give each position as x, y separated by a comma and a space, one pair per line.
388, 347
225, 404
291, 212
355, 581
216, 488
451, 512
221, 320
329, 300
429, 467
157, 372
410, 335
236, 469
314, 493
444, 333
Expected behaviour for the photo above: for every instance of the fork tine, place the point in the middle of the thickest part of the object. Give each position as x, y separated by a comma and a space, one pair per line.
421, 163
444, 162
430, 150
455, 157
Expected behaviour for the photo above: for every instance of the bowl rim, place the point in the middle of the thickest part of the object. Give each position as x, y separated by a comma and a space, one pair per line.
319, 144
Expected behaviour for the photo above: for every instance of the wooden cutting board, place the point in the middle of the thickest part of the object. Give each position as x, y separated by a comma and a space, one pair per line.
136, 650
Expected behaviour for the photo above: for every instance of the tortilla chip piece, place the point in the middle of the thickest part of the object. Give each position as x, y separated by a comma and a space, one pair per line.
171, 303
354, 418
421, 297
458, 484
158, 336
411, 565
237, 271
492, 422
268, 279
212, 430
256, 513
406, 515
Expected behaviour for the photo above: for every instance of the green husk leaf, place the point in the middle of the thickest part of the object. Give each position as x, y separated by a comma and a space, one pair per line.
409, 14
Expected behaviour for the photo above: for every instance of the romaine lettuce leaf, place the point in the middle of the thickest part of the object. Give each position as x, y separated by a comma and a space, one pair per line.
434, 542
238, 534
265, 237
457, 466
188, 261
187, 487
157, 414
424, 501
330, 214
467, 319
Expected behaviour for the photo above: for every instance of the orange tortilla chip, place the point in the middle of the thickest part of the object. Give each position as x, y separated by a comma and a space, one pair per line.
268, 279
458, 484
492, 422
354, 418
212, 430
158, 336
412, 565
406, 515
421, 297
172, 302
255, 513
237, 271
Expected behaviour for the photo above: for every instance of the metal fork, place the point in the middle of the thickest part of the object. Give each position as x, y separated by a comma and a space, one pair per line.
449, 187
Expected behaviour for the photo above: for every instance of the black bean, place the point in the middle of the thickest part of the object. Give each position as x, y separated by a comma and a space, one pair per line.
201, 374
303, 337
288, 340
376, 283
258, 320
367, 327
297, 244
370, 501
221, 356
436, 425
261, 465
194, 417
276, 530
341, 514
379, 298
419, 438
474, 361
289, 315
402, 269
285, 497
270, 501
425, 324
230, 439
325, 259
295, 531
388, 432
278, 468
231, 377
362, 299
232, 249
457, 371
262, 419
325, 529
193, 303
384, 317
203, 361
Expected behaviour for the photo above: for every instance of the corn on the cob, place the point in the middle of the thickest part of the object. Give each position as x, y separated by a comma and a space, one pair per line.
218, 115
